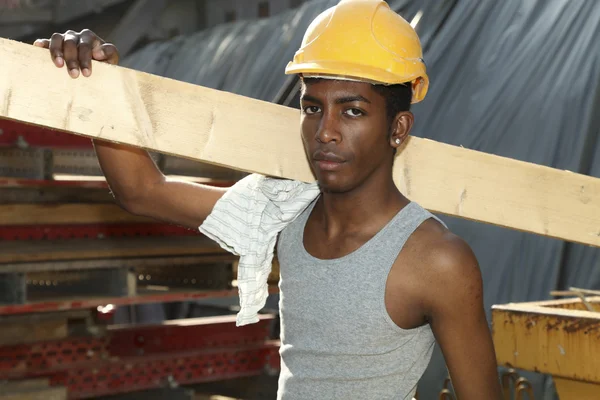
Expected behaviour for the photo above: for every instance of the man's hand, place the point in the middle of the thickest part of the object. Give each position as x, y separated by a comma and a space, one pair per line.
77, 50
134, 179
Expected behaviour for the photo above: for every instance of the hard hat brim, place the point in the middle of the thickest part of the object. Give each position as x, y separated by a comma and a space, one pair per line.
356, 72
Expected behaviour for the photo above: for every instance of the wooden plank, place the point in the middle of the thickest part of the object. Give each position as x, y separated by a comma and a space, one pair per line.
53, 393
509, 193
85, 249
185, 120
13, 386
31, 389
82, 213
556, 341
31, 329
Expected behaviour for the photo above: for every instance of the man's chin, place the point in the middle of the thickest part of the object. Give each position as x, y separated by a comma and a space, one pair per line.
334, 185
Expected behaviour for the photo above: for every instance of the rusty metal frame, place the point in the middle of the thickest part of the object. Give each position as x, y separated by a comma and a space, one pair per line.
147, 296
99, 183
17, 134
85, 231
142, 262
556, 337
128, 358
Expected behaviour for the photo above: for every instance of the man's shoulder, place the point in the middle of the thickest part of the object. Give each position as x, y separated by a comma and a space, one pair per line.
447, 266
436, 257
440, 249
434, 264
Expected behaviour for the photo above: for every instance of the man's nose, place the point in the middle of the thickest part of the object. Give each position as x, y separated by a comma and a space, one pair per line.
329, 129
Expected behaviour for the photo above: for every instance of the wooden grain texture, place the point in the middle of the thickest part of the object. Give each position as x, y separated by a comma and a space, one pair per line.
13, 332
554, 340
185, 120
50, 393
25, 384
86, 249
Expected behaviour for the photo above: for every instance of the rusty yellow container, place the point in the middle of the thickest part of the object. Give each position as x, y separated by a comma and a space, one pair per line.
556, 337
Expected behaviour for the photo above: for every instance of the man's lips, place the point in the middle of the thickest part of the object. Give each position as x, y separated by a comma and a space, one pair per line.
327, 156
328, 161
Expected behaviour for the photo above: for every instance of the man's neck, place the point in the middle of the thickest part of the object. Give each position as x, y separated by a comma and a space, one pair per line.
366, 208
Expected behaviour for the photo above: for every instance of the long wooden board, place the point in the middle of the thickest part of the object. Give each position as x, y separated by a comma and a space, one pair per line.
32, 329
184, 120
50, 393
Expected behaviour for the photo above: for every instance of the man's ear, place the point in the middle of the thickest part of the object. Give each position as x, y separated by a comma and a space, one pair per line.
401, 127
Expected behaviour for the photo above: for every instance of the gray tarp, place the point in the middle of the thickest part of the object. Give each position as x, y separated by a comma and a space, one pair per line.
514, 78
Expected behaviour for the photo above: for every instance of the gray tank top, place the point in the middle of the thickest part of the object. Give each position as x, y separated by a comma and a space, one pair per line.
337, 339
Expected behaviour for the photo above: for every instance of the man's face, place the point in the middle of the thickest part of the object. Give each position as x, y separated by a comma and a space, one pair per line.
345, 130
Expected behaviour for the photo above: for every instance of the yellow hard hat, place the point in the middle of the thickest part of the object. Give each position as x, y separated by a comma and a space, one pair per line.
363, 40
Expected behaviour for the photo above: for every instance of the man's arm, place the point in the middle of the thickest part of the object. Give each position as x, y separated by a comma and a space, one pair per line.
454, 307
141, 188
134, 179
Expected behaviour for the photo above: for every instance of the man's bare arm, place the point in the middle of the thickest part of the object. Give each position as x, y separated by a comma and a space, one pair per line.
454, 307
136, 182
140, 187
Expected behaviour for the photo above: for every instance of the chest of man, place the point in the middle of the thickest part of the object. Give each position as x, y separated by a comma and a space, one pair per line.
404, 280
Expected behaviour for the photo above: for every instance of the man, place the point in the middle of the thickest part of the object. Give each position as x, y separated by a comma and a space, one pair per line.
369, 279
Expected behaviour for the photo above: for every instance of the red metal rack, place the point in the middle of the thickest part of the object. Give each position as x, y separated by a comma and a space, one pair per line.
114, 359
133, 358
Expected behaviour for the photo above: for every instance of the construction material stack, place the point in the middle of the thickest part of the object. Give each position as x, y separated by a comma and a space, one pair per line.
69, 257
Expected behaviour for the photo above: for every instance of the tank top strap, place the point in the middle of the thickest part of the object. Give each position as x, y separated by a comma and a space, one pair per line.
293, 235
401, 227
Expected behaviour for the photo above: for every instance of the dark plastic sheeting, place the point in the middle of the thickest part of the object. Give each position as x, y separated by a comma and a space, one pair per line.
514, 78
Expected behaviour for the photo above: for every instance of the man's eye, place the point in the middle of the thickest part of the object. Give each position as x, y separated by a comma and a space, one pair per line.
311, 110
354, 112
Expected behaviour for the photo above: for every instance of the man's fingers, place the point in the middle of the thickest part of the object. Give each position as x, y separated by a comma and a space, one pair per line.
43, 43
107, 53
70, 44
86, 42
77, 50
56, 49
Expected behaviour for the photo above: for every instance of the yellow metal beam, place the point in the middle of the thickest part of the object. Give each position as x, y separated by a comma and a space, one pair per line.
568, 389
553, 337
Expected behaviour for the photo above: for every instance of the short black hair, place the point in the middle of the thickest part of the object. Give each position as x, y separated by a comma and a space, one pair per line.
397, 97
